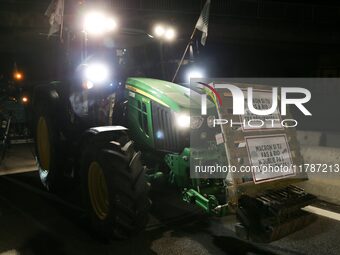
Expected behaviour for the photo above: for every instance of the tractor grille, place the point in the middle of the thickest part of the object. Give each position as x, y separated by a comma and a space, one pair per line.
167, 136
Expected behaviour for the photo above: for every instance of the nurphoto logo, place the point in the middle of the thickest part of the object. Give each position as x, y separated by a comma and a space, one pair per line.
259, 105
239, 99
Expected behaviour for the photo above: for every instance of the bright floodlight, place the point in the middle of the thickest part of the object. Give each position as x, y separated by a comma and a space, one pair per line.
159, 30
96, 23
164, 32
183, 120
170, 34
97, 73
194, 73
111, 24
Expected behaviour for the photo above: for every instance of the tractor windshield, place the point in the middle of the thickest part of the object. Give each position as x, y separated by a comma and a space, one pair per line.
128, 53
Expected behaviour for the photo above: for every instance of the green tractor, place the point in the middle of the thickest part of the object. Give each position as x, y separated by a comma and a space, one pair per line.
115, 177
93, 126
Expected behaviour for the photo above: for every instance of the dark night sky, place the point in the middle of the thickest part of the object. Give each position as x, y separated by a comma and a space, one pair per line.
246, 37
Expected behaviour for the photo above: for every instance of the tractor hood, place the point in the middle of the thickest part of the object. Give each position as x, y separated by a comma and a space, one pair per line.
169, 94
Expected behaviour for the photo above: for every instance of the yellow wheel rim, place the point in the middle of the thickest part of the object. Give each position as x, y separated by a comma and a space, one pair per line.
98, 190
43, 144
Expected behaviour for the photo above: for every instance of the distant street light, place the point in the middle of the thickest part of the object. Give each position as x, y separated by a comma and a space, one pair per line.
18, 76
24, 99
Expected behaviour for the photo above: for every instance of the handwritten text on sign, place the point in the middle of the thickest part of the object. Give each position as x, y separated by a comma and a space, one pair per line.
271, 157
262, 101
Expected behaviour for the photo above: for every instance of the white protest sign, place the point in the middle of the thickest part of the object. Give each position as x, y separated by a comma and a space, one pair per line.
270, 157
262, 100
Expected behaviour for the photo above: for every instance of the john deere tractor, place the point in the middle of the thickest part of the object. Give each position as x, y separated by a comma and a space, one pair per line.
117, 134
89, 124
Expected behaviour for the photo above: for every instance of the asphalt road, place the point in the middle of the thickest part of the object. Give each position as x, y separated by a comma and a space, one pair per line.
35, 222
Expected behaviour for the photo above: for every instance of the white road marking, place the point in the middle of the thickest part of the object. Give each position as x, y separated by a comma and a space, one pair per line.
322, 212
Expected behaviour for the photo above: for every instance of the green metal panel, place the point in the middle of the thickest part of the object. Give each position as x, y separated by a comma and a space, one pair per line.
140, 119
179, 165
172, 95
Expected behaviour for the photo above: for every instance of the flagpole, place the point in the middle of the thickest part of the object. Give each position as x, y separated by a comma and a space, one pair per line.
202, 25
185, 52
62, 22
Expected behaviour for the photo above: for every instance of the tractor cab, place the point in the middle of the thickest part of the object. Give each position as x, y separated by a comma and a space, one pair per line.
99, 61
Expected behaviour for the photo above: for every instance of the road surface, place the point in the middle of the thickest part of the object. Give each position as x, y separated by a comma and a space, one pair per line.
35, 222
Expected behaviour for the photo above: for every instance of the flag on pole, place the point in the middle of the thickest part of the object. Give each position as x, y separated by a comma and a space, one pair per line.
203, 21
55, 12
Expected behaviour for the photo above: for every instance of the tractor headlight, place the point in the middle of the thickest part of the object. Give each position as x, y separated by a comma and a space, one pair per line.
194, 73
182, 120
97, 73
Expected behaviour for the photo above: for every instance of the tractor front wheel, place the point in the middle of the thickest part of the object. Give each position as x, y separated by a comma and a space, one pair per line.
114, 188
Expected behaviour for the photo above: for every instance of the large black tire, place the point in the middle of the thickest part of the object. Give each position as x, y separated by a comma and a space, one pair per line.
118, 204
49, 155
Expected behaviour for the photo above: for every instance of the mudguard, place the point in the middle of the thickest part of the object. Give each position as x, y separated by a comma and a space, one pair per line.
103, 133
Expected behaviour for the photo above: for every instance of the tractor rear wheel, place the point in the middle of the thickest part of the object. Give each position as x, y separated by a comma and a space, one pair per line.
114, 188
48, 152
